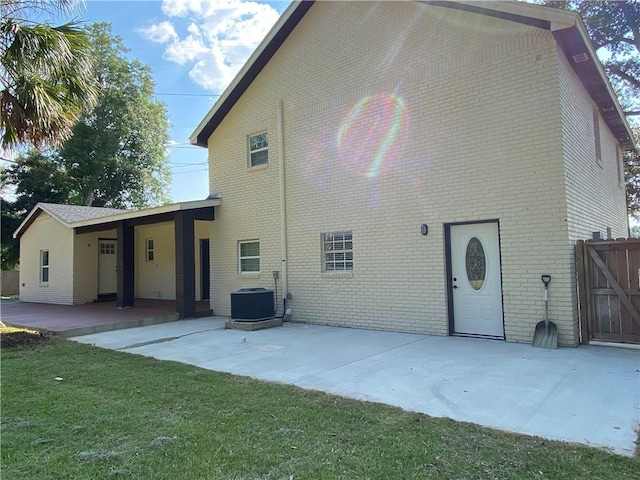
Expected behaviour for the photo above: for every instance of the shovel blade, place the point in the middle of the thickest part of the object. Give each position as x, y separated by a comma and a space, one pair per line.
546, 335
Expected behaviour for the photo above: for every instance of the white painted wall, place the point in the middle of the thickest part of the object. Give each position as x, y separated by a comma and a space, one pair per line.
156, 279
85, 257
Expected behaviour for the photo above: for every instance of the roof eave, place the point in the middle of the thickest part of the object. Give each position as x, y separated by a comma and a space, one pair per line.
567, 28
573, 38
254, 65
575, 41
31, 217
147, 212
126, 215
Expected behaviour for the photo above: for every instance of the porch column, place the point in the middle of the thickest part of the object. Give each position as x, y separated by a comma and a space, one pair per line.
125, 271
184, 222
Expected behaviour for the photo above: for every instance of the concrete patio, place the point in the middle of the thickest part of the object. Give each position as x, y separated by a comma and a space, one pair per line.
588, 395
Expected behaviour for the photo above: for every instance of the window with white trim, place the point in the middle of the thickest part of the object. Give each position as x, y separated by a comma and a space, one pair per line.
249, 256
150, 251
258, 149
337, 252
44, 266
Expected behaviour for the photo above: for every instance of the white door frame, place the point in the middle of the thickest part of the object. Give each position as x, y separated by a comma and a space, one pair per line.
101, 287
451, 284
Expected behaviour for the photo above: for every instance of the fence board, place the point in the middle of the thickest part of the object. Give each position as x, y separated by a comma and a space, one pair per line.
10, 283
618, 271
608, 283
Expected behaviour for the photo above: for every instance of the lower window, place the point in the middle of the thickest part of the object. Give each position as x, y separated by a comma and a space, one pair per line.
44, 266
249, 256
337, 252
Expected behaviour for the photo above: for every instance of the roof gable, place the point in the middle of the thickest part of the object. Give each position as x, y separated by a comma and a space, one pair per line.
76, 213
65, 214
567, 28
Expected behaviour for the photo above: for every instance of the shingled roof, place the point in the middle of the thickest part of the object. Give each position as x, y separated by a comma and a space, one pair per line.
77, 213
66, 214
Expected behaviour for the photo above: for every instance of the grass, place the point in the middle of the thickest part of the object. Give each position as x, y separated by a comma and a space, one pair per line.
75, 411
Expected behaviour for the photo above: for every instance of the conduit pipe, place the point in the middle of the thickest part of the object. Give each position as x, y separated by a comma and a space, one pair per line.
283, 202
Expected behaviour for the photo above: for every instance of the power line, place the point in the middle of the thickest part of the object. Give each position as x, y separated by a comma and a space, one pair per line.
191, 171
190, 94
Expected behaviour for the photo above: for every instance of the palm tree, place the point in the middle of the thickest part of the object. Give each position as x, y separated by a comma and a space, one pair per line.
46, 74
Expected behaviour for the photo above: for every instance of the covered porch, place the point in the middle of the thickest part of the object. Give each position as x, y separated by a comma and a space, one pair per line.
159, 254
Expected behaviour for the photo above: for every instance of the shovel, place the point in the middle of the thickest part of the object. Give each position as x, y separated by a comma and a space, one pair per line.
546, 334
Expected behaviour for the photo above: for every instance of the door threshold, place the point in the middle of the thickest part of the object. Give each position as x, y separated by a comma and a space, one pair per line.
600, 343
477, 335
106, 297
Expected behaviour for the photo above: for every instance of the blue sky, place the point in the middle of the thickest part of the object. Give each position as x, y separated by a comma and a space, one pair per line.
194, 48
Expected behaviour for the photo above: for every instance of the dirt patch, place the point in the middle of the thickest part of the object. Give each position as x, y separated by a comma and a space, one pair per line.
22, 338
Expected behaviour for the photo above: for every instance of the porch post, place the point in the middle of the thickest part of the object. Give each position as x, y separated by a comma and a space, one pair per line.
125, 270
184, 222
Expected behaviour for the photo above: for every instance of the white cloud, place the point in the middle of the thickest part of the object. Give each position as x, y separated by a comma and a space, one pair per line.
218, 40
162, 32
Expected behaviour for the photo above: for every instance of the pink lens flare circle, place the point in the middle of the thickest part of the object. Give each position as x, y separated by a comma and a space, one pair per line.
371, 135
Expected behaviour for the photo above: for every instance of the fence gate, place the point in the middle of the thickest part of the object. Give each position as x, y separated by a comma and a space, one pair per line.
609, 289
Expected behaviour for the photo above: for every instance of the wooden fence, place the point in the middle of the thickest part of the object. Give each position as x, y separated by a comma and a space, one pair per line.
609, 289
10, 283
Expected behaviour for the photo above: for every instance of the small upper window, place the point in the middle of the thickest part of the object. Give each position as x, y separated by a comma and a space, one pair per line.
249, 256
337, 252
44, 266
108, 248
596, 135
150, 250
258, 150
620, 166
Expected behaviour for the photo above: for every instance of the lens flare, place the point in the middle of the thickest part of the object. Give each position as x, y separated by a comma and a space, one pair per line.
371, 135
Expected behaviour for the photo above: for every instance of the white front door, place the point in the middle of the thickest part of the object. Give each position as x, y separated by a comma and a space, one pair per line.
475, 279
107, 264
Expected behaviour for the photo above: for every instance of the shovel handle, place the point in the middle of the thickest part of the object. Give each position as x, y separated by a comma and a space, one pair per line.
546, 279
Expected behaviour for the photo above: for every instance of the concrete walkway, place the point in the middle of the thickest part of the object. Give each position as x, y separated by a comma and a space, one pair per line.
589, 395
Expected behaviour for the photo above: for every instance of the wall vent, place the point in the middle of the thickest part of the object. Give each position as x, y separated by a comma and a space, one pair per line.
581, 57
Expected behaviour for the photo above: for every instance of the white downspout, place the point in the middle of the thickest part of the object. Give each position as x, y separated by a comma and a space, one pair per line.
283, 201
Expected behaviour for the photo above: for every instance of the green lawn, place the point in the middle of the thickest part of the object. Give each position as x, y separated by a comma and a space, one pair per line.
72, 411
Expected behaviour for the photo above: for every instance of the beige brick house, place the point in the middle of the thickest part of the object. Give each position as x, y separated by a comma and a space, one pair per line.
416, 166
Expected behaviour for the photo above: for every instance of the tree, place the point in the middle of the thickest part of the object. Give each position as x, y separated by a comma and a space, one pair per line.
45, 74
9, 253
38, 177
614, 29
632, 174
116, 156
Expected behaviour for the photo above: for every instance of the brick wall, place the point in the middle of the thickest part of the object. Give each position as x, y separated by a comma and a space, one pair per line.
395, 116
46, 233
